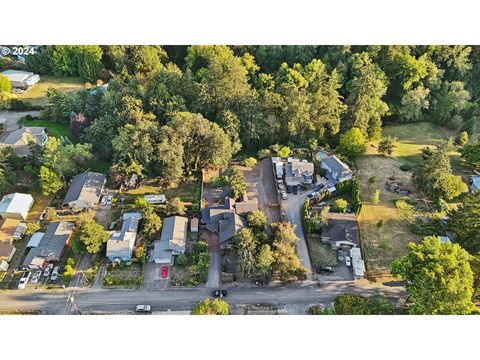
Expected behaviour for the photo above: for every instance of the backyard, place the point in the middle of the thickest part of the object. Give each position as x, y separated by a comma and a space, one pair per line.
37, 94
384, 232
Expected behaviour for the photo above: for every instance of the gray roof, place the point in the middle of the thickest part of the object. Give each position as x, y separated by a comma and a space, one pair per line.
341, 227
174, 232
336, 165
19, 139
121, 243
85, 190
52, 243
16, 203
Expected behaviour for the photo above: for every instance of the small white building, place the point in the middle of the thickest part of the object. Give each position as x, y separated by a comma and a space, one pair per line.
155, 199
21, 79
16, 206
358, 264
194, 225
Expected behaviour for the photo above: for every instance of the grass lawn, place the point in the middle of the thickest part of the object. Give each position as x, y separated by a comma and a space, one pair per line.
124, 275
37, 94
321, 254
57, 129
99, 165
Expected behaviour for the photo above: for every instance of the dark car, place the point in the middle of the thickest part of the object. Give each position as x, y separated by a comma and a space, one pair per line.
318, 187
327, 269
295, 190
219, 293
289, 189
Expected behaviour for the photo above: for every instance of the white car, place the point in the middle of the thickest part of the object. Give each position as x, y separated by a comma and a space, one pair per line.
47, 270
312, 195
24, 280
36, 276
103, 201
348, 261
143, 309
284, 195
54, 274
109, 199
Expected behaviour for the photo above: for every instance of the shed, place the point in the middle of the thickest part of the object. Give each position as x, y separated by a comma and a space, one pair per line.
35, 240
155, 199
194, 225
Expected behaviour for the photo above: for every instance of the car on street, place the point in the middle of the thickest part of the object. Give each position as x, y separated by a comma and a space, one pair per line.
289, 189
219, 293
54, 276
22, 284
348, 261
295, 189
143, 309
47, 270
318, 187
312, 195
284, 195
327, 269
36, 276
164, 271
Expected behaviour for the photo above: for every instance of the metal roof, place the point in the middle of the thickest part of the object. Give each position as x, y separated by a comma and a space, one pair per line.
85, 187
16, 203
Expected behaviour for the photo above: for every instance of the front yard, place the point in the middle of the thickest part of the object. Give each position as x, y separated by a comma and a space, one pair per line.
124, 275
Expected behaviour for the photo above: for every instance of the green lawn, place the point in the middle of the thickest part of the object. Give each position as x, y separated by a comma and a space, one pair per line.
57, 129
99, 165
37, 94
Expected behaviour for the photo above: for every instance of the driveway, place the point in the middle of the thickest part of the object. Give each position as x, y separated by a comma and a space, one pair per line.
292, 211
261, 186
11, 118
152, 276
215, 267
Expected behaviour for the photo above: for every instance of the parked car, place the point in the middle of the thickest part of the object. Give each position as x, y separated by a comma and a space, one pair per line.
327, 269
289, 189
284, 195
340, 255
348, 261
164, 271
219, 293
54, 276
318, 187
312, 195
281, 186
24, 280
47, 270
36, 276
109, 199
144, 309
295, 189
103, 201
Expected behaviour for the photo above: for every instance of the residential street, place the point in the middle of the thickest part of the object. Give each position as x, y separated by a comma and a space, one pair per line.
298, 297
292, 210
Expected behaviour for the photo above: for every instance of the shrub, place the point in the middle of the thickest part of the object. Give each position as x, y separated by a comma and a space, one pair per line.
19, 105
284, 152
5, 85
462, 138
262, 154
320, 310
372, 180
32, 227
250, 162
201, 247
181, 260
140, 203
340, 205
380, 223
405, 167
376, 197
218, 181
71, 262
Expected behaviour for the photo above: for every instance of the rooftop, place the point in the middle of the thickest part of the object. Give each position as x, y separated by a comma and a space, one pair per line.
86, 187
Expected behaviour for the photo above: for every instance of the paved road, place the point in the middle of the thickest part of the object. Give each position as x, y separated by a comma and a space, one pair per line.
298, 297
292, 211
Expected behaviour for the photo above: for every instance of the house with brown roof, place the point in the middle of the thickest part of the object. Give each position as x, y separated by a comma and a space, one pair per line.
8, 232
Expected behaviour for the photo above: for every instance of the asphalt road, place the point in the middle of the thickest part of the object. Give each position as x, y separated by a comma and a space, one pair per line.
121, 301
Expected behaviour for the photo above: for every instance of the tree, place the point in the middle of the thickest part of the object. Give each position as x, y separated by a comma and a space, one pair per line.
246, 246
284, 151
140, 254
436, 177
5, 85
464, 223
32, 227
376, 196
365, 91
175, 206
211, 307
340, 205
8, 178
462, 138
352, 304
78, 123
450, 103
250, 162
413, 104
471, 153
89, 237
438, 277
387, 145
237, 184
352, 143
230, 123
145, 60
140, 203
265, 261
49, 181
257, 220
89, 62
152, 223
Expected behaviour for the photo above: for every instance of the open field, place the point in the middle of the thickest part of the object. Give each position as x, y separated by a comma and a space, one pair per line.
384, 233
37, 94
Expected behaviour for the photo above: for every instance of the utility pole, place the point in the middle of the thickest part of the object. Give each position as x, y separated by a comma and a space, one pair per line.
71, 298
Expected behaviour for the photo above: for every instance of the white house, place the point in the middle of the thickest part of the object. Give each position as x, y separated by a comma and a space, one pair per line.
121, 243
16, 206
21, 79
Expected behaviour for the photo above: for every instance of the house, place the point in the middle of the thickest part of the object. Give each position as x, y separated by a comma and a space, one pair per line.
336, 170
172, 241
155, 199
245, 206
222, 220
121, 243
8, 233
298, 172
474, 183
19, 139
21, 79
16, 206
51, 246
85, 191
341, 230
